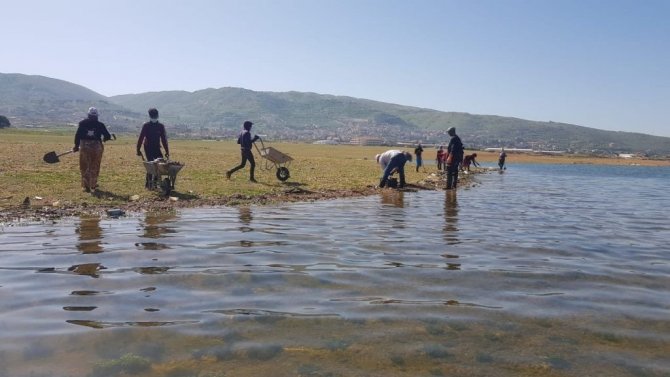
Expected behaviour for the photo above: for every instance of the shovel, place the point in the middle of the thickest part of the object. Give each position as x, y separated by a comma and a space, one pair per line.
52, 157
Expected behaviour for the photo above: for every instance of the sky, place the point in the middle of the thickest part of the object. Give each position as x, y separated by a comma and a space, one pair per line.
596, 63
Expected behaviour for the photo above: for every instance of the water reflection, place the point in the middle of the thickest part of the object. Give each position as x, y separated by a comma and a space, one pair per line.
392, 208
246, 216
451, 217
393, 197
156, 226
90, 235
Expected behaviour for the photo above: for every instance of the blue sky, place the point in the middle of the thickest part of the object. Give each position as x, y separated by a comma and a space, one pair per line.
597, 63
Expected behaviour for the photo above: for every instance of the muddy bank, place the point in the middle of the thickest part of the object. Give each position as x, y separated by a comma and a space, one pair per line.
33, 210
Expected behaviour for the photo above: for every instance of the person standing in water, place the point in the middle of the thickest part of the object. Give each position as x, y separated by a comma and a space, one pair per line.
152, 136
245, 141
454, 158
501, 159
88, 140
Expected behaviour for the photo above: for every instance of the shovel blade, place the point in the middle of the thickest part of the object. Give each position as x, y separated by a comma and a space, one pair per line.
51, 158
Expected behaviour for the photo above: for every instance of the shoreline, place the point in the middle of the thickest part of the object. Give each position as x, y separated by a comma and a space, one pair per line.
42, 213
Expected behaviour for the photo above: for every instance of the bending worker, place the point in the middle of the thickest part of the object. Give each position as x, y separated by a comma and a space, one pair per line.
393, 161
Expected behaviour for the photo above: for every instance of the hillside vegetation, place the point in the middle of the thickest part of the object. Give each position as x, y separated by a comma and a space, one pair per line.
218, 113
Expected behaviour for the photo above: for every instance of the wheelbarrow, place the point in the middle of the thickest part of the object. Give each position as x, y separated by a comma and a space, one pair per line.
164, 173
275, 159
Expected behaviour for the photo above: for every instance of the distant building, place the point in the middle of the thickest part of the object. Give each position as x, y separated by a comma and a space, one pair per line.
328, 142
367, 141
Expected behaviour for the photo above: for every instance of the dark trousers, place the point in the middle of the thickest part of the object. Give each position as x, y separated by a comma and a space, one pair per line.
452, 176
246, 156
396, 163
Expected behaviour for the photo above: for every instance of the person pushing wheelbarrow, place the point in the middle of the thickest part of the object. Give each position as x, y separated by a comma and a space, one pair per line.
245, 141
152, 136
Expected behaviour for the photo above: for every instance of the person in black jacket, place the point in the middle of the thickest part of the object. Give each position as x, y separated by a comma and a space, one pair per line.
88, 141
152, 136
245, 141
454, 158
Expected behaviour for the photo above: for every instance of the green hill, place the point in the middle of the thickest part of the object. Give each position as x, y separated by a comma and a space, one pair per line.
216, 113
43, 101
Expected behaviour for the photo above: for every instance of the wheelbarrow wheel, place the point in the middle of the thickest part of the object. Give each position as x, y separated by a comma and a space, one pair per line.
282, 173
166, 186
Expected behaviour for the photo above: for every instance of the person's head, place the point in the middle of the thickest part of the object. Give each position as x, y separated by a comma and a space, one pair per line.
377, 157
247, 125
153, 114
92, 112
441, 148
451, 131
408, 155
474, 155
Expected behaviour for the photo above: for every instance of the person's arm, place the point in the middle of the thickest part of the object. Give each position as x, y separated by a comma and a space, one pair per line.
77, 139
105, 134
164, 141
140, 140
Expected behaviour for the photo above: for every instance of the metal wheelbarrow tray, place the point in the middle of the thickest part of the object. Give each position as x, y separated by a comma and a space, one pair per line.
279, 160
165, 172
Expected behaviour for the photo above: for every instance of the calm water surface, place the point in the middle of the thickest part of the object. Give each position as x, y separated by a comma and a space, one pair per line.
545, 270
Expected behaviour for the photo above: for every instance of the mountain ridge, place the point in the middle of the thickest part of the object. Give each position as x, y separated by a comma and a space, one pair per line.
302, 116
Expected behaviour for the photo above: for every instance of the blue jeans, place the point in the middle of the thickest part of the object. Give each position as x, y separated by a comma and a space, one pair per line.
397, 162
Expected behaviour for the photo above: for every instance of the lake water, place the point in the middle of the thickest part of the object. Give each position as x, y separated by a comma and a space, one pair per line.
545, 270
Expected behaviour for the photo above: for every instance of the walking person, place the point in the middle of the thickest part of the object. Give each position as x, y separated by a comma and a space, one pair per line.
454, 158
418, 151
245, 141
440, 158
501, 159
88, 140
152, 136
393, 161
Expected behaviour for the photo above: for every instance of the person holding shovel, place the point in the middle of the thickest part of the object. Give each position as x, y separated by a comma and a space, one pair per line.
88, 140
152, 136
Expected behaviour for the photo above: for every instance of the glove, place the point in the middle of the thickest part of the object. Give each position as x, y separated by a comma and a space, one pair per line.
106, 138
256, 138
167, 156
139, 152
75, 148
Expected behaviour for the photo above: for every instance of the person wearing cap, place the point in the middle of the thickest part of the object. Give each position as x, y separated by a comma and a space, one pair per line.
454, 157
245, 141
393, 161
152, 136
88, 139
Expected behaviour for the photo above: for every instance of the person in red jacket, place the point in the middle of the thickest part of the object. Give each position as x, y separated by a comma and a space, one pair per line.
152, 136
440, 158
